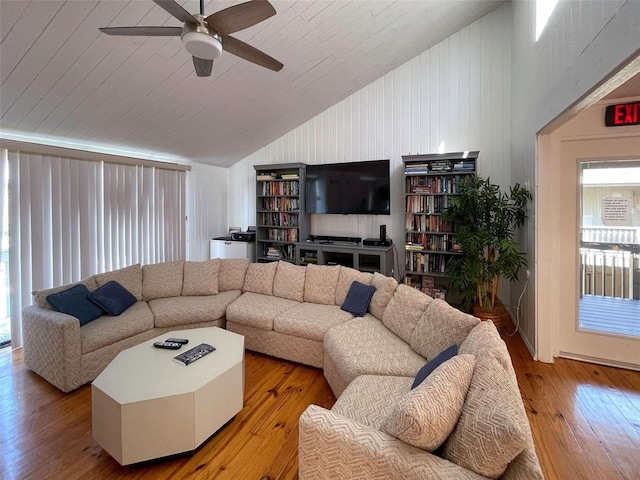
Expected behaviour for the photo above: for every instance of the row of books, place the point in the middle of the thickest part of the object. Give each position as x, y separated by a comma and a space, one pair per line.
281, 188
426, 204
283, 234
280, 219
426, 285
436, 184
439, 166
276, 176
424, 241
281, 204
425, 223
279, 252
425, 262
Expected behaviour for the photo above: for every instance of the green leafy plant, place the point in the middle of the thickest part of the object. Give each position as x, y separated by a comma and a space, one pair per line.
485, 220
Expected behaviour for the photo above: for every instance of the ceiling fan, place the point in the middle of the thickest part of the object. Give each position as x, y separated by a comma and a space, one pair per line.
205, 37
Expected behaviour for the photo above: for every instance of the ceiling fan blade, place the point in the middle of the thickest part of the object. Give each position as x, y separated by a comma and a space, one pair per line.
203, 67
176, 10
143, 31
241, 16
252, 54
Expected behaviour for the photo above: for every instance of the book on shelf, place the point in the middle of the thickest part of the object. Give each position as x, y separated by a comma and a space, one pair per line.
289, 176
266, 176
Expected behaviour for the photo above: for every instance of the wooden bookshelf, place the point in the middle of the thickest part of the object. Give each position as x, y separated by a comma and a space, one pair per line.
430, 182
281, 220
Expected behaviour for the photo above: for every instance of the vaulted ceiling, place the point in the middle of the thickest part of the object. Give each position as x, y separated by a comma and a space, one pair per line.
61, 78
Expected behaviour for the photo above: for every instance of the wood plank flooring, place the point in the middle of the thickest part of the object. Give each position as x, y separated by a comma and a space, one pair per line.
585, 421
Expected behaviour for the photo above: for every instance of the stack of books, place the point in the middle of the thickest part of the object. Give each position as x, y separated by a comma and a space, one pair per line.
266, 176
289, 176
274, 252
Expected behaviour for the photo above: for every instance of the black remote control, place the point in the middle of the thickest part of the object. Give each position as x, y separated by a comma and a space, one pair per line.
167, 345
183, 341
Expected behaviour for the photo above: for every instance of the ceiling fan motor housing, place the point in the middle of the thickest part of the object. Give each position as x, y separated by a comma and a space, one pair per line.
199, 41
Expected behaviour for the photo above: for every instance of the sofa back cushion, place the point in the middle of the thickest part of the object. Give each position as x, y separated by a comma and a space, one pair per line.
440, 326
259, 278
232, 273
320, 284
385, 288
40, 296
129, 277
484, 340
162, 280
201, 278
289, 281
492, 429
404, 310
347, 276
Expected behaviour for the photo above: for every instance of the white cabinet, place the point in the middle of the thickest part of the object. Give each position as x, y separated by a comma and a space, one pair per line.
221, 248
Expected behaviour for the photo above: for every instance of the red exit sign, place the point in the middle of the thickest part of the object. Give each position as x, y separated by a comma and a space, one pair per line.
622, 114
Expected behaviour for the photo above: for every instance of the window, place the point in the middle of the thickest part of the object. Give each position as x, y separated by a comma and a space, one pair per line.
70, 218
544, 9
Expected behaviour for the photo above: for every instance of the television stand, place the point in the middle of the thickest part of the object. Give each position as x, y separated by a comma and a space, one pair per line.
347, 254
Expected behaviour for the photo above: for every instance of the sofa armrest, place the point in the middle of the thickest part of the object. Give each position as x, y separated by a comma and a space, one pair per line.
333, 446
51, 343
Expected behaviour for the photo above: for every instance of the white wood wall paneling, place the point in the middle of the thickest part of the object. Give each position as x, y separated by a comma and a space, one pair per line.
10, 13
436, 97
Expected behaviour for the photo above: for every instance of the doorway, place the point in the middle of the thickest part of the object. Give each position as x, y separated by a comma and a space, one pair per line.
609, 244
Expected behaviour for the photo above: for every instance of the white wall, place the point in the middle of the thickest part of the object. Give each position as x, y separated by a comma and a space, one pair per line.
582, 44
455, 96
206, 208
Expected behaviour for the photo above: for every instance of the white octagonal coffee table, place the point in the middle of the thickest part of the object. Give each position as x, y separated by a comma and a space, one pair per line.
145, 405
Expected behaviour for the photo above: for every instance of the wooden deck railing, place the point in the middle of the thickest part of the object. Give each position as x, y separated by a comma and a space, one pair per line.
610, 273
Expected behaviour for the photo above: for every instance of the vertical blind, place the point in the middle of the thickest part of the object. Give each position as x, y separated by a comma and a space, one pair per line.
70, 218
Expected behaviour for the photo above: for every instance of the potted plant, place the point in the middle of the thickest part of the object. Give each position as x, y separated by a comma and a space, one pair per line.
486, 220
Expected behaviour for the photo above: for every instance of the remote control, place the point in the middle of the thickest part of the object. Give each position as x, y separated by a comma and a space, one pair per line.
167, 345
183, 341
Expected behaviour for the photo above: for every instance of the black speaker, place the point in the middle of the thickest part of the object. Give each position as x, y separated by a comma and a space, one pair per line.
383, 233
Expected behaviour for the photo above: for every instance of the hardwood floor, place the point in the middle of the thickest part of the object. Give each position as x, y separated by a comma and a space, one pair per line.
585, 421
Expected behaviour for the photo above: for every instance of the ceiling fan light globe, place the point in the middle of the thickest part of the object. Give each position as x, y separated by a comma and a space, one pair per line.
202, 45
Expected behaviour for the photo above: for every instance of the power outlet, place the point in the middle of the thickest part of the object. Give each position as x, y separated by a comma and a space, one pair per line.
528, 273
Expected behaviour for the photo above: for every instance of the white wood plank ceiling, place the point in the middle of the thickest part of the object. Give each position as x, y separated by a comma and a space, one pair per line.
60, 77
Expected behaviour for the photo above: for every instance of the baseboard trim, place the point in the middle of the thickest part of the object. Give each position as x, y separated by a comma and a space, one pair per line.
599, 361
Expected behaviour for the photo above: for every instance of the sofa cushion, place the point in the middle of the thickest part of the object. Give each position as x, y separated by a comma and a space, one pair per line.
201, 278
257, 310
484, 340
370, 399
75, 301
358, 299
491, 430
108, 330
169, 312
259, 278
162, 280
347, 276
289, 281
404, 310
40, 296
113, 298
309, 320
426, 416
320, 284
232, 273
355, 348
129, 277
385, 287
434, 363
440, 326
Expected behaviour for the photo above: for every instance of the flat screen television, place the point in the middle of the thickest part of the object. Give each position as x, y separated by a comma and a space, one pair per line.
361, 188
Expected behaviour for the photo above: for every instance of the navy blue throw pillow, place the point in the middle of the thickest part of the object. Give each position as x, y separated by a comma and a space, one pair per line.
358, 299
75, 302
434, 363
113, 298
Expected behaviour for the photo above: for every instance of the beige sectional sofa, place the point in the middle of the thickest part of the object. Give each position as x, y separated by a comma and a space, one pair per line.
469, 409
